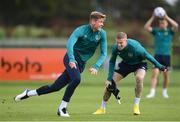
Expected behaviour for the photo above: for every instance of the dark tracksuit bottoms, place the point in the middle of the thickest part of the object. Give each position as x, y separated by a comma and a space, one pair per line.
70, 76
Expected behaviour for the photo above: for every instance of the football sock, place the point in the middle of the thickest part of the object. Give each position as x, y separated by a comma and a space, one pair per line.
103, 104
32, 93
63, 104
164, 91
137, 100
152, 91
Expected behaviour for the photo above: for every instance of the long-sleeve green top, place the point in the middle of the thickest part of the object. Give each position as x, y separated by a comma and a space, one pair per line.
132, 54
83, 42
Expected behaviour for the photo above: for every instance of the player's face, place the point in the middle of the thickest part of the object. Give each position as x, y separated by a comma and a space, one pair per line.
97, 24
121, 43
163, 24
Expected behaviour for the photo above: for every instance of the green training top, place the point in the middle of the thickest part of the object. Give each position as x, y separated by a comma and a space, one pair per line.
163, 40
132, 54
83, 42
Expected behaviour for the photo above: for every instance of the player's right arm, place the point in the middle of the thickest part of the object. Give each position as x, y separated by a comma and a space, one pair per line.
70, 44
148, 25
112, 62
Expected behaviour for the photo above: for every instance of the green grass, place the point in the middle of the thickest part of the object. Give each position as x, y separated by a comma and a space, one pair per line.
87, 99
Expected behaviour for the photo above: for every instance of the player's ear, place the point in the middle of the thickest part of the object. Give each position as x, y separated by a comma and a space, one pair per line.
91, 21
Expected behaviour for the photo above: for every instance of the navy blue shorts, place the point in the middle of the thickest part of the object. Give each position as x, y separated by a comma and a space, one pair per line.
125, 69
163, 59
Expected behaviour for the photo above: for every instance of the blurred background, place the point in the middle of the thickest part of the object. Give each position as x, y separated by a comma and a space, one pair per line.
48, 23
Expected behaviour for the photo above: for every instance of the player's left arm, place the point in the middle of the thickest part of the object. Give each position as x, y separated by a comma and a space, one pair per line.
150, 58
103, 49
173, 23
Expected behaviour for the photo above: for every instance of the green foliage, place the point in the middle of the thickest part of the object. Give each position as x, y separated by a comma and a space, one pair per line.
132, 10
2, 33
43, 12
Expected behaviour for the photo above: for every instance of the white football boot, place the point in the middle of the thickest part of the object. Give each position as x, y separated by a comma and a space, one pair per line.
21, 96
165, 95
63, 112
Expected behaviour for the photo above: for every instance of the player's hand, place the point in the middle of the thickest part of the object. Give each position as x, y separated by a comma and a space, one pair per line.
93, 71
166, 16
153, 16
107, 83
164, 69
72, 65
111, 86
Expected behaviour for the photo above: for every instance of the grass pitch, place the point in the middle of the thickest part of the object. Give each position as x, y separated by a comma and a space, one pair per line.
87, 98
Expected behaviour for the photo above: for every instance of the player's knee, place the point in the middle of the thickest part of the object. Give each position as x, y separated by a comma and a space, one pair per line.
139, 79
154, 75
77, 80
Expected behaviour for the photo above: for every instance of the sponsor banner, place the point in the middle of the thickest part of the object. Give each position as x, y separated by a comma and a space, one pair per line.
31, 63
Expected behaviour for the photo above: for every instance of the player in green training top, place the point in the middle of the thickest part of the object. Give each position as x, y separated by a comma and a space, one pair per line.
133, 55
163, 36
81, 46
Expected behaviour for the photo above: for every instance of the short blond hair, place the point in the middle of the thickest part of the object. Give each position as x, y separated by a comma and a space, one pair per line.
97, 15
121, 35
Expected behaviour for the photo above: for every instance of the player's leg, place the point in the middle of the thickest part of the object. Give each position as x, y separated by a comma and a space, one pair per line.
165, 84
155, 74
167, 63
75, 78
74, 74
57, 85
116, 77
139, 76
107, 94
119, 74
102, 109
154, 77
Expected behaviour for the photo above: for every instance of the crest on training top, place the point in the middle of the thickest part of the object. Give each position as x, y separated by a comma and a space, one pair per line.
97, 37
165, 33
130, 54
85, 36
